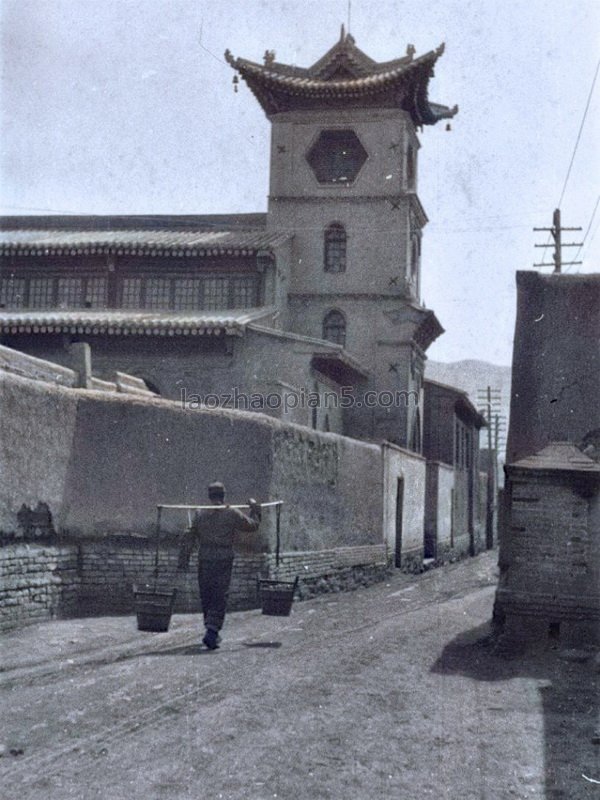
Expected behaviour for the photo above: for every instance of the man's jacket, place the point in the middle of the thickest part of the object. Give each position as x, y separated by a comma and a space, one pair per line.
214, 531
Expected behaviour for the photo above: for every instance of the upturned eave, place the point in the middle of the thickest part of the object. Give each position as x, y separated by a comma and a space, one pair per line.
402, 83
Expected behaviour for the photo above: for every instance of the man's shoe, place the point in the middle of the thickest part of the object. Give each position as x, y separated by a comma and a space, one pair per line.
211, 639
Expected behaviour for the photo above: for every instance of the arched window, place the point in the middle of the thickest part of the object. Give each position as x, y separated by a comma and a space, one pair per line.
334, 327
335, 248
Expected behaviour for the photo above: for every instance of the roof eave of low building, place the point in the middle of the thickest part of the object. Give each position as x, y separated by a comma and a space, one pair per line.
116, 323
429, 329
556, 457
324, 349
462, 401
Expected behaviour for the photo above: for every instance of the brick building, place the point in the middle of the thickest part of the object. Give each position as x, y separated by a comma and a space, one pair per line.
550, 556
550, 534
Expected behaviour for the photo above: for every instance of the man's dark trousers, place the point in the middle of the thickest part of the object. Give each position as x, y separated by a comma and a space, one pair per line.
214, 577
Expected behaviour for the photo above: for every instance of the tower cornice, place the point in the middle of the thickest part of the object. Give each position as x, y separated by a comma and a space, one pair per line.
345, 77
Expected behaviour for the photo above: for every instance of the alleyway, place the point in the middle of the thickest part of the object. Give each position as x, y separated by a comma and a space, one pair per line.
387, 692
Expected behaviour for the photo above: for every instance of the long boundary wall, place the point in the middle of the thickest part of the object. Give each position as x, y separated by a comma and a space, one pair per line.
100, 463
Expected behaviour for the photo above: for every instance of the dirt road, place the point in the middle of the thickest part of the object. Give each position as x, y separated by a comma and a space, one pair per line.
387, 692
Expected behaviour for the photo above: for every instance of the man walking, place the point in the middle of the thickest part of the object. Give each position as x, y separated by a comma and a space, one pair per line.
213, 532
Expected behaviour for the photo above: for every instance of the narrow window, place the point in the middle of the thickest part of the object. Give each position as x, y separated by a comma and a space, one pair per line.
12, 292
410, 167
70, 292
414, 260
244, 292
334, 327
216, 293
158, 293
188, 294
335, 248
41, 292
96, 293
131, 293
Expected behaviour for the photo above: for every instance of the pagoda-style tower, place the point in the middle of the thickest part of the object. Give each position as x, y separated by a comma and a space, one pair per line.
344, 182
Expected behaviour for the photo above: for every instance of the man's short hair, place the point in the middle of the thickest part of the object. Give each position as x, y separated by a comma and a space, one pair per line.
215, 490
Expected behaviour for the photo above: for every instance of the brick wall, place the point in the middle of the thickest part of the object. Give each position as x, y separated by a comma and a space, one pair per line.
37, 582
550, 559
96, 577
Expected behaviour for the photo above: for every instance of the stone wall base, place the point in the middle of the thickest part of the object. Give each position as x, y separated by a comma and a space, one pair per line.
526, 622
412, 561
97, 577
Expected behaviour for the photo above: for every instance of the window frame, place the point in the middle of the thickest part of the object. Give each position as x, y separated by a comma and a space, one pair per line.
343, 327
335, 243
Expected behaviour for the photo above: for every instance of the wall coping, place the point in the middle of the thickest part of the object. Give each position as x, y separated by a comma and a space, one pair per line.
403, 450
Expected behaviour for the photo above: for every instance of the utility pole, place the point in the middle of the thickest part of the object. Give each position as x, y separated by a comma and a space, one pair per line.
489, 398
499, 431
499, 434
556, 232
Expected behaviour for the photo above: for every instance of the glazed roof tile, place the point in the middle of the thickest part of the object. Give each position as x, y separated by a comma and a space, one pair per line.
120, 322
148, 242
304, 81
346, 74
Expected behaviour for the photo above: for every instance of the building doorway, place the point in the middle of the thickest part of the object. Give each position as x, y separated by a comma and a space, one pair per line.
399, 512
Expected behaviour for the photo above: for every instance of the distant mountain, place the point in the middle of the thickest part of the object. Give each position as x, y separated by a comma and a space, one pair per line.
474, 377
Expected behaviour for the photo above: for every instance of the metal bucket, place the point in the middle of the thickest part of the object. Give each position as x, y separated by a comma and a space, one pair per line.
153, 608
276, 597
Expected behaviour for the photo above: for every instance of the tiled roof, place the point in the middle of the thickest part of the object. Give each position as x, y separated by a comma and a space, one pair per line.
135, 222
325, 352
345, 73
137, 242
158, 323
561, 456
299, 83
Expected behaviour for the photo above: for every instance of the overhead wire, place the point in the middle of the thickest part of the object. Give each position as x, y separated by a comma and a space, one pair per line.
576, 146
587, 106
589, 227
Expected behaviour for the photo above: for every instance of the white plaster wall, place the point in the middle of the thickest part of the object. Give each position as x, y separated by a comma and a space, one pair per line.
400, 463
444, 503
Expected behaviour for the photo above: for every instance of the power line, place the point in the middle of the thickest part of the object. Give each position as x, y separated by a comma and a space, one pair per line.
568, 175
587, 105
587, 230
593, 235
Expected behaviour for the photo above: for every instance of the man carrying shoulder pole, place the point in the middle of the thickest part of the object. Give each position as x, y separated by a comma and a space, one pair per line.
213, 531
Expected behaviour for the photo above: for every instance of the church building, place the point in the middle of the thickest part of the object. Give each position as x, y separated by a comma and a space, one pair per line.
321, 294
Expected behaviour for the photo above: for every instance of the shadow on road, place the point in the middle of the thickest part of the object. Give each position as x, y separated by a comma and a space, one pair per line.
570, 700
197, 650
267, 645
182, 650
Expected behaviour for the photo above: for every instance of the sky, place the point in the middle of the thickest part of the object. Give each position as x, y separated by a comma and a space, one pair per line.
127, 106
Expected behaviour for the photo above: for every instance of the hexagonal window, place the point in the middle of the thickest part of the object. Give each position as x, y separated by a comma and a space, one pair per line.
336, 156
